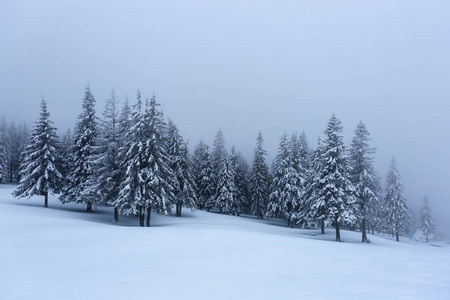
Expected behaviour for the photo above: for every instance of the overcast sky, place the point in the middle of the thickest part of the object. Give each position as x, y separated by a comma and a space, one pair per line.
246, 66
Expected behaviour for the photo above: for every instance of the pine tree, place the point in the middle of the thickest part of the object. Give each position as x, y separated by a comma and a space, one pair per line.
314, 210
39, 172
304, 152
286, 193
65, 152
107, 163
338, 191
241, 182
162, 180
375, 211
259, 182
217, 156
427, 225
329, 191
124, 122
149, 181
363, 176
184, 189
204, 177
226, 189
398, 219
16, 142
81, 172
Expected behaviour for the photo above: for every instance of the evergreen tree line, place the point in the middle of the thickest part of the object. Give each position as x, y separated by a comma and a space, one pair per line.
136, 160
13, 140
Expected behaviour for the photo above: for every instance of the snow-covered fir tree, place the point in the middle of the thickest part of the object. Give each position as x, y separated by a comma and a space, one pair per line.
3, 151
427, 224
149, 181
397, 217
241, 182
17, 139
38, 171
107, 171
259, 182
375, 212
217, 156
133, 191
363, 177
203, 173
298, 155
339, 192
304, 152
286, 187
184, 188
124, 121
313, 212
329, 191
226, 188
78, 188
65, 152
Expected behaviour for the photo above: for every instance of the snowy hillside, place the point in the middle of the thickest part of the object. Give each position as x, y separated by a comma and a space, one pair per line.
64, 253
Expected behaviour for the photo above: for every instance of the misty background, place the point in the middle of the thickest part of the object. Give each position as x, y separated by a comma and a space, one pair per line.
245, 67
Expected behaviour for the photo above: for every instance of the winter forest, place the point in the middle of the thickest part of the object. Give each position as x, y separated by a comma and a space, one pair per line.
132, 157
223, 150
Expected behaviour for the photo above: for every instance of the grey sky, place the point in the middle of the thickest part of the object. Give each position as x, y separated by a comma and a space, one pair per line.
247, 66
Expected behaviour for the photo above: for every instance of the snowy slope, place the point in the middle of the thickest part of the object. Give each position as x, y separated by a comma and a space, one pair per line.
64, 253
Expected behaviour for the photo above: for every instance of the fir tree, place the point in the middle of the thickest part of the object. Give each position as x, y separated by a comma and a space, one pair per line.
149, 181
124, 122
329, 191
398, 219
304, 152
363, 177
217, 156
204, 177
107, 164
259, 182
16, 142
427, 225
339, 191
78, 180
184, 189
226, 189
39, 172
375, 210
241, 174
65, 152
285, 197
314, 210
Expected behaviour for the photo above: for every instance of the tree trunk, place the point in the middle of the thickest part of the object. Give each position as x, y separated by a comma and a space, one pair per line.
363, 230
427, 235
338, 232
46, 199
288, 222
10, 173
149, 212
141, 217
396, 236
322, 227
89, 206
178, 209
116, 214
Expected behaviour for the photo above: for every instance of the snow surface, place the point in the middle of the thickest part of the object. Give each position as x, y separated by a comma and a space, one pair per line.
64, 253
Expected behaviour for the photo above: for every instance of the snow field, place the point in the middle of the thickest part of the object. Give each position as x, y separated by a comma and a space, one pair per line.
64, 253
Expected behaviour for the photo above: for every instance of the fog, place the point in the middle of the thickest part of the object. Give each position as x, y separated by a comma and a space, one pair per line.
248, 66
